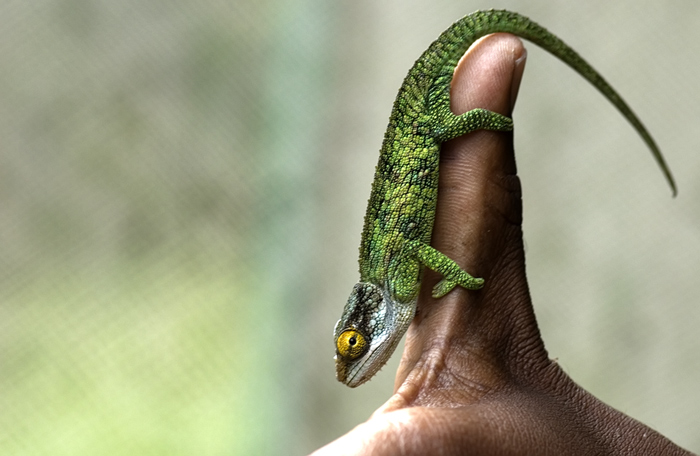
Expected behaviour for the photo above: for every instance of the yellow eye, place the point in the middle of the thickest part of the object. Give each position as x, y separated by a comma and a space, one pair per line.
351, 344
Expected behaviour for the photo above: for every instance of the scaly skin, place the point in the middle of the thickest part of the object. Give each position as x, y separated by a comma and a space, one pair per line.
401, 210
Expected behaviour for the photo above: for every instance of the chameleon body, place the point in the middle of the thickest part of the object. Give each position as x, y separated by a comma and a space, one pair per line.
399, 220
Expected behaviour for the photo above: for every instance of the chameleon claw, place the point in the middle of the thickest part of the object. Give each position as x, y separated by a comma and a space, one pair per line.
443, 287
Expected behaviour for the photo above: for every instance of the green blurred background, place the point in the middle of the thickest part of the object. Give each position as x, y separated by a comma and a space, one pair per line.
182, 187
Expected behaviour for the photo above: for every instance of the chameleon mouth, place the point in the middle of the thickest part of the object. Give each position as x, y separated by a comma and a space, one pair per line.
357, 376
352, 374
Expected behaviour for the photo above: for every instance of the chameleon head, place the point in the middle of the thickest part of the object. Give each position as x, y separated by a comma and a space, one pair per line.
367, 333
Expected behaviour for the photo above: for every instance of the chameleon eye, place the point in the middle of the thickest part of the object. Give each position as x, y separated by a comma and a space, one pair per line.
351, 344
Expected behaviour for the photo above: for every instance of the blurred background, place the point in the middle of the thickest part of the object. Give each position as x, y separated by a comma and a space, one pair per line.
182, 189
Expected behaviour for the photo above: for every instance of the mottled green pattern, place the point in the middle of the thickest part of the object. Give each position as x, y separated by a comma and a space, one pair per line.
401, 210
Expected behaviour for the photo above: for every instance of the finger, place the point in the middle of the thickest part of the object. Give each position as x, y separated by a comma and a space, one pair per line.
468, 336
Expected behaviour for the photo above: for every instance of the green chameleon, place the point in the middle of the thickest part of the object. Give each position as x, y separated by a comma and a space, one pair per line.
401, 210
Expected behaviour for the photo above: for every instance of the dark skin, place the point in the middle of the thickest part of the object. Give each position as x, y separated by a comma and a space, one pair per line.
475, 377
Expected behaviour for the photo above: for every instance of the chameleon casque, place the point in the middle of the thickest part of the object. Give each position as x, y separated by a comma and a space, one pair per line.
401, 210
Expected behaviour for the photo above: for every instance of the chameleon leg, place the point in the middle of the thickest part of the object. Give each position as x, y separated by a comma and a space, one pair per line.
452, 274
451, 126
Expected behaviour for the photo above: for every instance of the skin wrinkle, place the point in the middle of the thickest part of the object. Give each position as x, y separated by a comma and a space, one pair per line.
473, 386
461, 353
431, 362
443, 343
447, 334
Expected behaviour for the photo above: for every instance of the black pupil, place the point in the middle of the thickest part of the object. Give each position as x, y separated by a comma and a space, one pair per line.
352, 340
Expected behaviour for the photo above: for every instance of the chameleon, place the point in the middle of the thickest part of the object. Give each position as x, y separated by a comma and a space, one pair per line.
395, 245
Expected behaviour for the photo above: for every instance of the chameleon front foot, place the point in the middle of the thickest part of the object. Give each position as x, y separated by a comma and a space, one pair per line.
452, 126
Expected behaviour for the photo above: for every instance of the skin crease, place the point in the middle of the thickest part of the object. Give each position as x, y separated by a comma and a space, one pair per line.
475, 377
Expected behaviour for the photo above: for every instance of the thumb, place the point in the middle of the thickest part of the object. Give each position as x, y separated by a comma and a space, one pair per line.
487, 337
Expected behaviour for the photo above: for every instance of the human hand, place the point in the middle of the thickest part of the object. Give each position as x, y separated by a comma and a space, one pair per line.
475, 377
